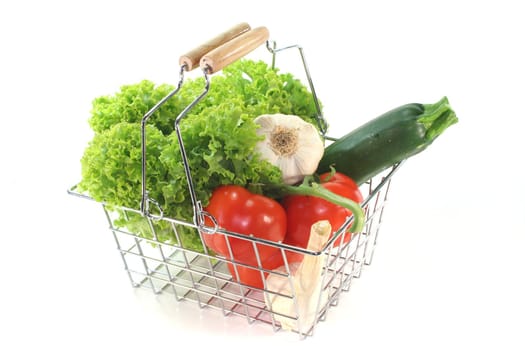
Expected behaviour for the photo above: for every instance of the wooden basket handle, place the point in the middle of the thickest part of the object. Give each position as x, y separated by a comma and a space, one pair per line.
192, 59
232, 50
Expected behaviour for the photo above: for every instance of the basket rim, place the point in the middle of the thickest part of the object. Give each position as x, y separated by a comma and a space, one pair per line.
385, 179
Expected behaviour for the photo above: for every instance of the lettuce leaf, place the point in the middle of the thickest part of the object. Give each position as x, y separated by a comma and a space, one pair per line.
112, 164
220, 142
219, 135
131, 103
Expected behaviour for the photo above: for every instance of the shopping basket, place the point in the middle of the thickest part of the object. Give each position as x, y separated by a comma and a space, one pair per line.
208, 279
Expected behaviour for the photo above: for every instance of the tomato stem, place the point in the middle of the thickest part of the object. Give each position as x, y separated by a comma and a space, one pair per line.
311, 188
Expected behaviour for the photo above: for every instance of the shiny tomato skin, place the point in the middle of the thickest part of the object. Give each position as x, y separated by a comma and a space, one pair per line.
303, 211
251, 276
237, 210
341, 178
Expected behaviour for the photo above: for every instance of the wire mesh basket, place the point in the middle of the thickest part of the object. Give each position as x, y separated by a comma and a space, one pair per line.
211, 280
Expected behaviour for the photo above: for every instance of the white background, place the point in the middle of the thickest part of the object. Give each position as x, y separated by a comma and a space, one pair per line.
449, 268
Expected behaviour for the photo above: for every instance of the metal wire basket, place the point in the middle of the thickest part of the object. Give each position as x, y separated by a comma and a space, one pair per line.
208, 279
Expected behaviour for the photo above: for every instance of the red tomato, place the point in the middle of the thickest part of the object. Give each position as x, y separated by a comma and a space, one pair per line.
238, 210
252, 277
342, 179
303, 211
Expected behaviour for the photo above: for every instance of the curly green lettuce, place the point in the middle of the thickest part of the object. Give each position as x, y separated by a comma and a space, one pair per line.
261, 90
219, 135
130, 104
220, 142
112, 164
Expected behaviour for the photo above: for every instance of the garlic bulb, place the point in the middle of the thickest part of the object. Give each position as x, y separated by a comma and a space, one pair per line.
306, 285
291, 144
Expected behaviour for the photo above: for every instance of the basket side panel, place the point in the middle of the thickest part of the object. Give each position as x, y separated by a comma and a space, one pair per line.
169, 256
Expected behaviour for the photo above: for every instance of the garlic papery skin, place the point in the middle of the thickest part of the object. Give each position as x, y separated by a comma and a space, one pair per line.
291, 144
295, 295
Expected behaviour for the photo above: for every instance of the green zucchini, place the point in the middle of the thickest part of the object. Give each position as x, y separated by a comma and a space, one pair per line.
388, 139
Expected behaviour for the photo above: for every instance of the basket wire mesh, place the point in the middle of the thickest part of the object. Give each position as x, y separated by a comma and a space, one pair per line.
204, 278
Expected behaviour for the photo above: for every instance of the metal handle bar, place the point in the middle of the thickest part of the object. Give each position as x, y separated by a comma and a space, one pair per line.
210, 63
188, 62
321, 122
226, 49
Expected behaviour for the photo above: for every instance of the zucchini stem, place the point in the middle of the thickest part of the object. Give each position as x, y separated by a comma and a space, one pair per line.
436, 118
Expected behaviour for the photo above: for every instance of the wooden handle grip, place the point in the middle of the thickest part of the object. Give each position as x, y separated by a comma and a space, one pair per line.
191, 59
234, 49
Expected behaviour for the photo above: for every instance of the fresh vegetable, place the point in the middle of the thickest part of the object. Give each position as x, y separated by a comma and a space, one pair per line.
132, 101
253, 275
220, 142
219, 133
382, 142
237, 210
263, 90
255, 86
111, 164
291, 144
335, 199
302, 211
111, 173
300, 313
310, 187
341, 178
